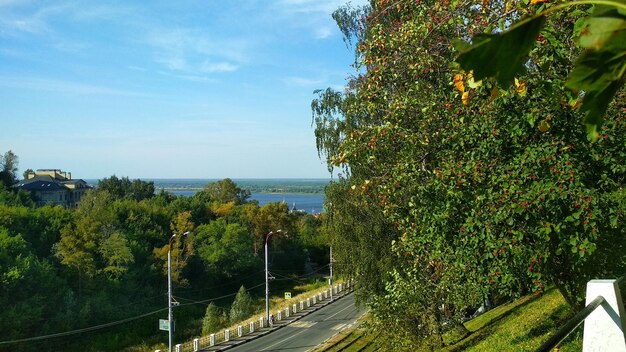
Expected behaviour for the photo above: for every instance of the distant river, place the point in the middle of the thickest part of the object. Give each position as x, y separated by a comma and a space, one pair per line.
303, 194
311, 203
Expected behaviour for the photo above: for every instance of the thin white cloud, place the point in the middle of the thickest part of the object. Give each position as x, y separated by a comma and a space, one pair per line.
195, 51
304, 82
323, 32
60, 86
211, 67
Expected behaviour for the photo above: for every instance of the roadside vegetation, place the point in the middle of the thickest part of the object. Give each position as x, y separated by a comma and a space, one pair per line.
65, 270
481, 157
521, 325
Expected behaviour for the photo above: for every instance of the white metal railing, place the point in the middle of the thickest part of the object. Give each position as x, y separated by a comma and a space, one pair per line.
604, 318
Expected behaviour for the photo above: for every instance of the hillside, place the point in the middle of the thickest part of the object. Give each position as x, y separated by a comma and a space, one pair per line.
522, 325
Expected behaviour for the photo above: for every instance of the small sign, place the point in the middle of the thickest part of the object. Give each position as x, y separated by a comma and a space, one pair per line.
287, 295
164, 324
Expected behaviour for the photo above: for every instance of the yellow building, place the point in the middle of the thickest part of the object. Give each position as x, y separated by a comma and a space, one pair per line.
53, 186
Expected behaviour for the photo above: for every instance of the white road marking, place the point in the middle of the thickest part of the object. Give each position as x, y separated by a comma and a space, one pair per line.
339, 327
339, 312
303, 324
283, 340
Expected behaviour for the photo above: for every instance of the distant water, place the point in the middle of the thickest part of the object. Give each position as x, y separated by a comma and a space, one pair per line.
303, 194
310, 203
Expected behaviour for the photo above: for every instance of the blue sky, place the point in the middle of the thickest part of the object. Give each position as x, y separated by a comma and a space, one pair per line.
170, 89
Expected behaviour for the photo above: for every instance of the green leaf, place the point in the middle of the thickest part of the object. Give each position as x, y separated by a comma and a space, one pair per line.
604, 30
501, 55
599, 74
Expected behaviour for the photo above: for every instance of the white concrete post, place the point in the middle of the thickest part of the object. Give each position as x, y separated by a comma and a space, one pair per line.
325, 294
294, 308
212, 340
279, 315
340, 287
301, 305
308, 302
286, 312
196, 345
251, 327
314, 300
178, 348
239, 330
227, 335
157, 350
261, 322
604, 328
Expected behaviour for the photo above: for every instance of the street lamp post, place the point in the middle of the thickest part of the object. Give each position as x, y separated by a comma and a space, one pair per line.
170, 316
330, 280
267, 285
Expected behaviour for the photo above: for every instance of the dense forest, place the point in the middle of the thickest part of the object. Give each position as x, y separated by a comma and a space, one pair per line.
67, 270
467, 175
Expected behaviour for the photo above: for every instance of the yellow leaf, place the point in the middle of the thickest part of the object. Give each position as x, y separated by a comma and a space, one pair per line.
458, 82
544, 126
520, 88
470, 81
465, 98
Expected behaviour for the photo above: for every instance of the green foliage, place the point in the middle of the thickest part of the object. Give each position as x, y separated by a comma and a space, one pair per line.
225, 191
225, 248
361, 237
64, 269
8, 169
243, 306
30, 291
212, 320
599, 72
272, 217
121, 188
487, 191
501, 55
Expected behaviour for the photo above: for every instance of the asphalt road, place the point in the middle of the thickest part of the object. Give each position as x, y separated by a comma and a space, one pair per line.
308, 332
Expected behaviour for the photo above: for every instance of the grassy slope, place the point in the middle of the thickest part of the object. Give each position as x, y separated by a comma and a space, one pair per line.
522, 325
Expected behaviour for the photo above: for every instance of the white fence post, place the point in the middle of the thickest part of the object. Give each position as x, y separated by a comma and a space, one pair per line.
325, 294
227, 335
178, 348
294, 308
279, 315
239, 330
314, 300
196, 345
261, 322
604, 328
212, 340
251, 327
308, 302
301, 305
157, 350
286, 312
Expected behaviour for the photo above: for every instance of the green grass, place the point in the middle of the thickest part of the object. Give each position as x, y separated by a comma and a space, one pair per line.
522, 325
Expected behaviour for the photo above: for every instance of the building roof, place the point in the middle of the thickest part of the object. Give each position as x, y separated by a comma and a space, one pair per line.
40, 183
46, 183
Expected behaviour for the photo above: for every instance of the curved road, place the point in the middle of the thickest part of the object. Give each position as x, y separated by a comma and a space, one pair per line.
308, 332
